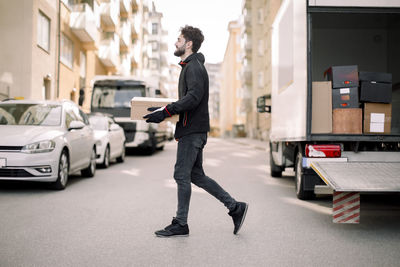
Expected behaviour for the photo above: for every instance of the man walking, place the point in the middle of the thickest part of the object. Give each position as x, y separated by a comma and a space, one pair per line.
191, 134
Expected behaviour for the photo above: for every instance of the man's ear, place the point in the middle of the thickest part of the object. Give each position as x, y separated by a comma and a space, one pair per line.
189, 45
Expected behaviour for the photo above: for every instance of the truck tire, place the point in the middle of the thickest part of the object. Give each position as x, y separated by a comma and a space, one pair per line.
153, 145
276, 171
299, 180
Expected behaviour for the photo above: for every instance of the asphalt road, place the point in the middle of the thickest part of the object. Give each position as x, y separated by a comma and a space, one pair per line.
109, 220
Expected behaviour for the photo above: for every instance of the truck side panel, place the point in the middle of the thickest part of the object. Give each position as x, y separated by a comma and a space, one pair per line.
289, 72
355, 3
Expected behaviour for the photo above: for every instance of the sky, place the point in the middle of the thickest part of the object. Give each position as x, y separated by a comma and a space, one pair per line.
211, 16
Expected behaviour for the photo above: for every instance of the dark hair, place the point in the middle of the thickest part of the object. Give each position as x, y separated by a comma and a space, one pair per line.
193, 34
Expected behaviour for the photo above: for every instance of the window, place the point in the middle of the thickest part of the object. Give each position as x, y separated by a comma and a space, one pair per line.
84, 117
82, 71
260, 16
260, 79
154, 28
43, 31
154, 46
153, 63
66, 51
260, 48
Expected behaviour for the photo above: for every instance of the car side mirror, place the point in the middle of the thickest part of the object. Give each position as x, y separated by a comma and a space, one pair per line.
261, 106
114, 127
76, 125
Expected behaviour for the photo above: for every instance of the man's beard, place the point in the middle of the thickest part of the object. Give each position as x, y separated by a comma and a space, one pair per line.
180, 51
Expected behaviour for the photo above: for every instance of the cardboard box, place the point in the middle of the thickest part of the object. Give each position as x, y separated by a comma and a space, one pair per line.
379, 77
343, 76
139, 106
321, 121
345, 98
377, 118
396, 109
375, 92
347, 121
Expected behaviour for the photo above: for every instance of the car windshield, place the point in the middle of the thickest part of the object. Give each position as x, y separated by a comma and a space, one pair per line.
98, 123
30, 114
115, 97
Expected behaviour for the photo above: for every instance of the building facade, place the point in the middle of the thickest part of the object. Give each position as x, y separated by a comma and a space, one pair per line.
52, 49
257, 19
156, 71
232, 112
214, 76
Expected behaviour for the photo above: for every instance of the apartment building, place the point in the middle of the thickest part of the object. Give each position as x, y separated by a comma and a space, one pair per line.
156, 71
214, 77
257, 18
28, 48
52, 49
232, 112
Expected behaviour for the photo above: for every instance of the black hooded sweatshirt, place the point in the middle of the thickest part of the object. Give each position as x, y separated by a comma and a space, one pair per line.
192, 105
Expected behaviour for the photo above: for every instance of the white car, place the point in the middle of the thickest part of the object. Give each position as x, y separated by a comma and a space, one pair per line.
45, 141
110, 139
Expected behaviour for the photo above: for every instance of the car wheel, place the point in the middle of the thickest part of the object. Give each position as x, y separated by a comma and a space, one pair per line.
63, 169
91, 169
121, 158
106, 161
299, 180
153, 146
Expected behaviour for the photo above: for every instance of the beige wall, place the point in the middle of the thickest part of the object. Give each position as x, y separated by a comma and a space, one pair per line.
230, 99
44, 62
262, 14
24, 66
16, 35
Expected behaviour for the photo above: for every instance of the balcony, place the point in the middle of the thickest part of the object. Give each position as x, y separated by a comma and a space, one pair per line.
83, 23
109, 51
134, 63
135, 28
248, 44
124, 6
126, 40
247, 73
109, 13
125, 67
135, 6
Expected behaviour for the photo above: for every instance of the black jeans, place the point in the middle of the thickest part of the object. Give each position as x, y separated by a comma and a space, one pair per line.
189, 169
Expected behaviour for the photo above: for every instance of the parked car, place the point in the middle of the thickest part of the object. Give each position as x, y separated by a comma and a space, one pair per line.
45, 141
110, 139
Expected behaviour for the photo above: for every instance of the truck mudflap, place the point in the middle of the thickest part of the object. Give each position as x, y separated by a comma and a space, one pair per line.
349, 179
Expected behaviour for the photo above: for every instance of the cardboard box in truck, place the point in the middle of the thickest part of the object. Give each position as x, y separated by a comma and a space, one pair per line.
345, 97
343, 76
321, 107
347, 121
377, 118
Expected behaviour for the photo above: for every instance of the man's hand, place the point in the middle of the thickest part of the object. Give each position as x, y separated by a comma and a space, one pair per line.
156, 116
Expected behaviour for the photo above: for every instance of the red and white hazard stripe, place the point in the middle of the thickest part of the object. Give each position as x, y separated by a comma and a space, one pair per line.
346, 207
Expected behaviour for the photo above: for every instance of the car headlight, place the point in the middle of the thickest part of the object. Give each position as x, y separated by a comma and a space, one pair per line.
39, 147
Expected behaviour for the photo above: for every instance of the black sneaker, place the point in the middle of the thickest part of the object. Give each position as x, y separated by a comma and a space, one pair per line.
174, 229
238, 215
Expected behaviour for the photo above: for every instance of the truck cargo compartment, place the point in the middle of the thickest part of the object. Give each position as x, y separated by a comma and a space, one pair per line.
365, 38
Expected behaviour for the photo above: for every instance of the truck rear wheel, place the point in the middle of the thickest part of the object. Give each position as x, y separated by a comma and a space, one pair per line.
276, 171
299, 180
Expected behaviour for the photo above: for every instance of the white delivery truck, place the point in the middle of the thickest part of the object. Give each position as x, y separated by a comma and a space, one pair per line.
309, 37
113, 95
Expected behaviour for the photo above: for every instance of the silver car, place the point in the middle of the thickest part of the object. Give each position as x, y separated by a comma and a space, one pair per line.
45, 141
110, 139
